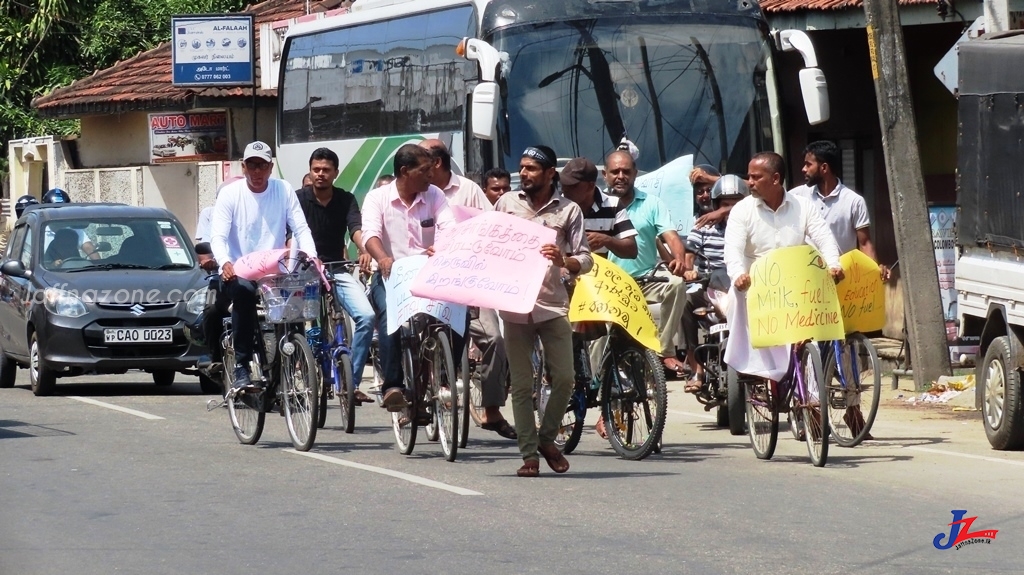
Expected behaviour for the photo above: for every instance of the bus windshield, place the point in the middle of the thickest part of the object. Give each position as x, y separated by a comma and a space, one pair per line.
672, 85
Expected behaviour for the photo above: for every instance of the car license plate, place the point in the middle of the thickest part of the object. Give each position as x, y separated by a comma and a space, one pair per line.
138, 335
717, 328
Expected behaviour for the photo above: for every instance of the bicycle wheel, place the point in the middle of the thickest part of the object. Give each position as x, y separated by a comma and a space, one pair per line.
814, 412
405, 435
301, 393
466, 388
862, 373
762, 416
346, 391
325, 390
244, 409
571, 429
446, 400
634, 402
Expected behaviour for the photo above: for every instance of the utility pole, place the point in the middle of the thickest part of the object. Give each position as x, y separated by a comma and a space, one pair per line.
925, 318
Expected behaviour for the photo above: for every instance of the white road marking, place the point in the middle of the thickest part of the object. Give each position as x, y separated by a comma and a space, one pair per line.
390, 473
692, 414
134, 412
965, 455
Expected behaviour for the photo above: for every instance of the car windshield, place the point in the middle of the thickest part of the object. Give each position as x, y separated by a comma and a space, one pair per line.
675, 85
110, 243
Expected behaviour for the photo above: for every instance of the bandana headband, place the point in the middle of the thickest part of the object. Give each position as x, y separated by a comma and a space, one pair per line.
540, 156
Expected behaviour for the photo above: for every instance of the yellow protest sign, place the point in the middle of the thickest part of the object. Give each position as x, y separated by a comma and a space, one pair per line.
861, 293
608, 293
792, 298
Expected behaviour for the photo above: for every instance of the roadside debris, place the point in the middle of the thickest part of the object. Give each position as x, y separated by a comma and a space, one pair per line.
942, 391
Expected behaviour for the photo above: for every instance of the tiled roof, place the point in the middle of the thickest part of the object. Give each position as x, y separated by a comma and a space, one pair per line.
143, 82
775, 6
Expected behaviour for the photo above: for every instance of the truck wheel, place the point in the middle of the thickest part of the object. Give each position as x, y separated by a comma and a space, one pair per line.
1002, 406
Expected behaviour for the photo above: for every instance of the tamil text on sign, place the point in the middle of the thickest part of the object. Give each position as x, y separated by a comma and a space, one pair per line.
402, 305
607, 293
492, 261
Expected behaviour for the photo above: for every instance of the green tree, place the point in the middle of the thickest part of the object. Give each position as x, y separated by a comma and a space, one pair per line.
47, 44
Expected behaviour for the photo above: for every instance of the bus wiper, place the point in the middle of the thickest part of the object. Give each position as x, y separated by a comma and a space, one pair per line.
112, 266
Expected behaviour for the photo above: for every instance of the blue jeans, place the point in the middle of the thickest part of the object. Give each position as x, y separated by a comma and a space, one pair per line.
349, 292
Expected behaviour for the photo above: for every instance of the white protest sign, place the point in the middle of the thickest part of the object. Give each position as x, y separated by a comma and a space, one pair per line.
402, 305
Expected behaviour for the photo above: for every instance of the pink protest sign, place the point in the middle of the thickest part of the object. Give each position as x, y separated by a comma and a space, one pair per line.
269, 263
491, 261
463, 213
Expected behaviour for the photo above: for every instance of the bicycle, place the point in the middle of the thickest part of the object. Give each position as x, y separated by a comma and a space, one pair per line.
429, 377
634, 414
330, 343
282, 367
798, 394
852, 370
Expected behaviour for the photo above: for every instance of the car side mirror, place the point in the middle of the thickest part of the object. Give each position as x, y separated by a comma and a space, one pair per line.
14, 269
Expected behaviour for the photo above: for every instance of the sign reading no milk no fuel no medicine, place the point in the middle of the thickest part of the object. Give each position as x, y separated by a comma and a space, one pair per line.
212, 50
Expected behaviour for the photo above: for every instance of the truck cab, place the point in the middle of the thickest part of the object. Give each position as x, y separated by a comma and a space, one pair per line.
990, 227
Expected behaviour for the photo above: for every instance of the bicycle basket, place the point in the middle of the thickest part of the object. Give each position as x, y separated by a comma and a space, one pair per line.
291, 298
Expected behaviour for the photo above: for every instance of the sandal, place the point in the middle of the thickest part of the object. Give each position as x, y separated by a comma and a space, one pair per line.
673, 365
694, 385
556, 461
530, 468
502, 428
599, 427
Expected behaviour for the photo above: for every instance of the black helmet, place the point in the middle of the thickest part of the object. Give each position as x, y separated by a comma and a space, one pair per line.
24, 202
729, 186
56, 196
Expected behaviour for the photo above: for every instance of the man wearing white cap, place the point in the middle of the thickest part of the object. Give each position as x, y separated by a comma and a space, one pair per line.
252, 215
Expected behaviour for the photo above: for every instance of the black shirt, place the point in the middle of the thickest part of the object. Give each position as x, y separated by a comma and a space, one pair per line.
329, 223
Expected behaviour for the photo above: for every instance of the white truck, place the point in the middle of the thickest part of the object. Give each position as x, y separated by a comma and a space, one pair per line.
990, 227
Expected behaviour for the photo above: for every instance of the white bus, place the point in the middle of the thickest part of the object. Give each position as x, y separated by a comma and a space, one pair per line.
677, 76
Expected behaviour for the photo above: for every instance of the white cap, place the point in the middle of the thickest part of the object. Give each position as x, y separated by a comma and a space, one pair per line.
257, 150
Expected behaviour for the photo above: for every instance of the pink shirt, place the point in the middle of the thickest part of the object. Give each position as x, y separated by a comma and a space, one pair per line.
405, 230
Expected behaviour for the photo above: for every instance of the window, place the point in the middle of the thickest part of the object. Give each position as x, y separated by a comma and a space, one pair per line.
399, 76
25, 257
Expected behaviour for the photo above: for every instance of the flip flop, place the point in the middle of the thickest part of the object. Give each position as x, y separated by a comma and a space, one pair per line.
692, 386
600, 429
502, 428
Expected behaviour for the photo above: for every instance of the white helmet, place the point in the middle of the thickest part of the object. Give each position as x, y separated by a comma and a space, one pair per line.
729, 186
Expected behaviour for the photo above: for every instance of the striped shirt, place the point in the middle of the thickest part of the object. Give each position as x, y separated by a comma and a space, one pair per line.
708, 243
605, 217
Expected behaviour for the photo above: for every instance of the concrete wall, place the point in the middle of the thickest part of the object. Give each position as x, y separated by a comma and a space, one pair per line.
117, 140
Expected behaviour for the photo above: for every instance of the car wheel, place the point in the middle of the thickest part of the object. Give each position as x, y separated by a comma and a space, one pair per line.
210, 386
8, 371
163, 377
43, 379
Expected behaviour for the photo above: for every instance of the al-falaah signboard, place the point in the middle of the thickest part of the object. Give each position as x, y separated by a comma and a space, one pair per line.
188, 137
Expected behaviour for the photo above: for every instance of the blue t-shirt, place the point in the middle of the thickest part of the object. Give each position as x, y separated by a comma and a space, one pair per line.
650, 219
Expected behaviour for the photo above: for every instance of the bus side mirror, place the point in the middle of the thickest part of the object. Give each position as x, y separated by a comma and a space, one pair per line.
813, 86
814, 90
484, 111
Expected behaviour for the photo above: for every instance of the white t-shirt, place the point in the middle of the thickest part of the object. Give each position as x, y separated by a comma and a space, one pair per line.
203, 225
244, 222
